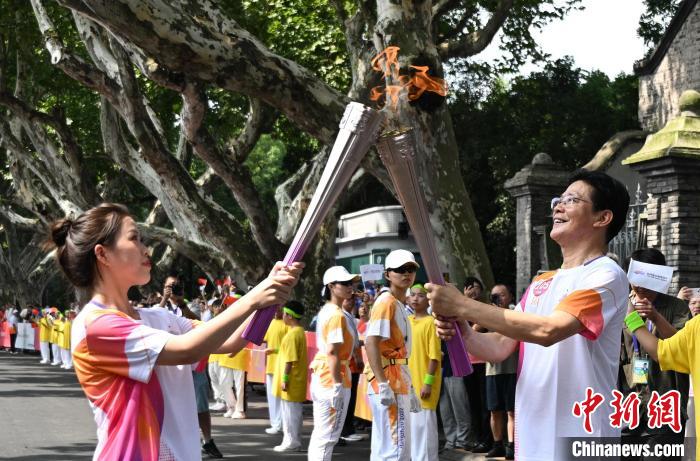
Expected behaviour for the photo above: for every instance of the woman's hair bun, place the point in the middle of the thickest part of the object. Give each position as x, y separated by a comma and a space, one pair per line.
59, 231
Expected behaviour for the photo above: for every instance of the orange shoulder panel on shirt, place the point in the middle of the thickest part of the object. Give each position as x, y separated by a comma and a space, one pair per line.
587, 307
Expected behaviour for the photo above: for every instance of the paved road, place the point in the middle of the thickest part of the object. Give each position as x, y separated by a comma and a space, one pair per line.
44, 415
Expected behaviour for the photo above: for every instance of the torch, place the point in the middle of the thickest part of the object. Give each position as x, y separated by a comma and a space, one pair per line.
397, 151
359, 128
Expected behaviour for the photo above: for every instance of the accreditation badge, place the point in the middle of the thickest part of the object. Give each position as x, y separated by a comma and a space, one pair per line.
640, 370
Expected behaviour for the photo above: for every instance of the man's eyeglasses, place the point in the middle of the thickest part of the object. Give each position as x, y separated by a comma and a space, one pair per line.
347, 283
408, 269
567, 201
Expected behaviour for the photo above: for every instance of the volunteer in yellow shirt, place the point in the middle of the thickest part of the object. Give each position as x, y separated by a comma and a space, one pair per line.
426, 376
273, 339
679, 353
45, 331
330, 381
290, 377
64, 341
388, 346
56, 334
232, 372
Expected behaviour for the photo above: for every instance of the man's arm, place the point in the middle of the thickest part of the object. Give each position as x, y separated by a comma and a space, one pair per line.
491, 347
520, 326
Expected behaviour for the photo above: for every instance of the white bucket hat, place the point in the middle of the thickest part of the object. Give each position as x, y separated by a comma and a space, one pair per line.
398, 258
338, 274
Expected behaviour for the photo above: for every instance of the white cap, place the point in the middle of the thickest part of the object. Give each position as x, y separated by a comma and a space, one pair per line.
398, 258
338, 274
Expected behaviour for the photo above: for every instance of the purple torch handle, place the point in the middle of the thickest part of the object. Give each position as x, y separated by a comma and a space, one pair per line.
397, 152
358, 132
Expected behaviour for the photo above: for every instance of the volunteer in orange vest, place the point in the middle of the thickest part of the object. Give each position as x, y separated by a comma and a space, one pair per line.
388, 346
330, 381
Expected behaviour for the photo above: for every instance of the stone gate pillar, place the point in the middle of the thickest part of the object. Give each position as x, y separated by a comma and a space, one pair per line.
533, 188
670, 162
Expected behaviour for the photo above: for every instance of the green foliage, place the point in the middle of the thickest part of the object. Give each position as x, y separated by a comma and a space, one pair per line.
266, 167
516, 36
655, 20
563, 111
305, 31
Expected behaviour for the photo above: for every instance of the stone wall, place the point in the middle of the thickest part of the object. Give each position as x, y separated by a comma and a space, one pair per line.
678, 70
673, 216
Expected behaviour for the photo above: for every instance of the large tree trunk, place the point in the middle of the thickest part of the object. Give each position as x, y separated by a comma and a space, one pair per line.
187, 46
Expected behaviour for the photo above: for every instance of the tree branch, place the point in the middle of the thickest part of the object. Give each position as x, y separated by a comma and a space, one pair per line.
476, 42
71, 148
234, 174
443, 6
221, 53
259, 120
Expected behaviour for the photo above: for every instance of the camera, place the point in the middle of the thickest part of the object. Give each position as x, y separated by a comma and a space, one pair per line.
176, 289
496, 299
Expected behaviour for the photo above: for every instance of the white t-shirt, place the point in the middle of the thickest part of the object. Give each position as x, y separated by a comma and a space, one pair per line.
139, 414
551, 379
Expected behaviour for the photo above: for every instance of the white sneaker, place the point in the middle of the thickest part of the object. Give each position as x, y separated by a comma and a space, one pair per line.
218, 406
239, 415
228, 414
68, 367
55, 363
44, 362
272, 431
282, 448
353, 438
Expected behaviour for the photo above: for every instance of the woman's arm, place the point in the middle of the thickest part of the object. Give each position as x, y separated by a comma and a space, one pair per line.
208, 337
334, 363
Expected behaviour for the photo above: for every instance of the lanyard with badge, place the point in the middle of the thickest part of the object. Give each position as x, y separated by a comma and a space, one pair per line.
640, 365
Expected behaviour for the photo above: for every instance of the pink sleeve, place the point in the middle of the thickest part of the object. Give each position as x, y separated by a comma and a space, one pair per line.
123, 346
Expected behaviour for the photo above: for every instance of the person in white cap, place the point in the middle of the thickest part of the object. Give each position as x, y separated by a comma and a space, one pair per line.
388, 345
330, 381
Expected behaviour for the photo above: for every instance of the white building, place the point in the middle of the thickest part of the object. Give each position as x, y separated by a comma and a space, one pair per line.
367, 236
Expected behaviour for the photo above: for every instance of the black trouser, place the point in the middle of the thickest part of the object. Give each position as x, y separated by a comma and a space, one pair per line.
349, 425
13, 339
481, 417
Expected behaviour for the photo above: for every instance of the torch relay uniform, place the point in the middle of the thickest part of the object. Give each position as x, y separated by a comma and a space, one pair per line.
292, 350
553, 378
273, 339
331, 328
391, 435
424, 427
143, 411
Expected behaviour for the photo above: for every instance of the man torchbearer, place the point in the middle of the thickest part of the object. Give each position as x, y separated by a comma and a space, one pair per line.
568, 321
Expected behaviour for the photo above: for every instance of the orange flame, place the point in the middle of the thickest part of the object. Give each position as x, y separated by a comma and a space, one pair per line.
387, 62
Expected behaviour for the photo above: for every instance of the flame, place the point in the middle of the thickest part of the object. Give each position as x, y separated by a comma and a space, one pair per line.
396, 85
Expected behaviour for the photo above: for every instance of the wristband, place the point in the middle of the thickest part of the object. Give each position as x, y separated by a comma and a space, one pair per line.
285, 378
634, 321
428, 379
